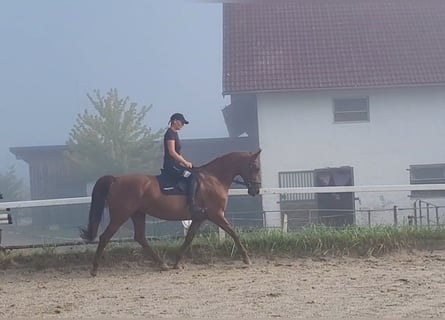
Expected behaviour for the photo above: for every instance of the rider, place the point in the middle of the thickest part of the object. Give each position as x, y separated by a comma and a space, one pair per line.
176, 165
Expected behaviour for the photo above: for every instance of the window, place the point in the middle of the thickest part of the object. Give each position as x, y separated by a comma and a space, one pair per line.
427, 174
351, 109
296, 179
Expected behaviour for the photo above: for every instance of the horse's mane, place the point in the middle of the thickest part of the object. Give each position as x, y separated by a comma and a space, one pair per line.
220, 158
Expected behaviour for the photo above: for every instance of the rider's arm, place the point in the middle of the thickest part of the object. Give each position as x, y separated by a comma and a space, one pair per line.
177, 156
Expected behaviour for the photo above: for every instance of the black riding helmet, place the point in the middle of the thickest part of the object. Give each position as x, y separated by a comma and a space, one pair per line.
178, 116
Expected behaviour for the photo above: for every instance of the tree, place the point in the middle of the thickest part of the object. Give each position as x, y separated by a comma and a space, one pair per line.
11, 187
114, 140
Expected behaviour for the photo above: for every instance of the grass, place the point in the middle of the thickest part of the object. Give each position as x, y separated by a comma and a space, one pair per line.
309, 242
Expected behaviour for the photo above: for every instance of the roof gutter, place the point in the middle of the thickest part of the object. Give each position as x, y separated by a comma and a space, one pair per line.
428, 85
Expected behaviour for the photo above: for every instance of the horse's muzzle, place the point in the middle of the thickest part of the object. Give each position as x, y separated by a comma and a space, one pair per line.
253, 189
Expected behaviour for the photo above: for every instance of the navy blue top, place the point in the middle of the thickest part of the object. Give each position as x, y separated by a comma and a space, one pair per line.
168, 159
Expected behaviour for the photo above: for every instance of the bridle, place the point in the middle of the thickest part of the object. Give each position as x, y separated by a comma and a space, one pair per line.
248, 184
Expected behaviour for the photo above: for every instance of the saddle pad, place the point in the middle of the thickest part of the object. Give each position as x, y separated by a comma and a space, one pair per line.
171, 186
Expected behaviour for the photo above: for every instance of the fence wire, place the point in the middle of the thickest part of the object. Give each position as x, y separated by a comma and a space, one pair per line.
32, 227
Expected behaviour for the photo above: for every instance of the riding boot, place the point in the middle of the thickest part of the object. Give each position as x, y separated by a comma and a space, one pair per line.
193, 187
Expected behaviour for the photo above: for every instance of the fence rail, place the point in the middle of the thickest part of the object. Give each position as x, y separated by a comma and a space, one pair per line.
421, 213
233, 192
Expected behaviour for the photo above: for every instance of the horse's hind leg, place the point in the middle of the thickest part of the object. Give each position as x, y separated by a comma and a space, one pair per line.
193, 229
103, 240
139, 236
222, 222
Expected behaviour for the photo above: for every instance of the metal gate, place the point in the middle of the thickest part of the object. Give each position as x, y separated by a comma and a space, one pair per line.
297, 206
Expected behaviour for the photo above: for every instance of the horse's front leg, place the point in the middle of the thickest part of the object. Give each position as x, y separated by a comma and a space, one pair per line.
191, 232
222, 222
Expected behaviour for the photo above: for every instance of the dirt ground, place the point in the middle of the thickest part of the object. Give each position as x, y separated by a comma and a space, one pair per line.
402, 285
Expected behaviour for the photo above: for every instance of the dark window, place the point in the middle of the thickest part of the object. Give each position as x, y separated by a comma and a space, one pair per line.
351, 109
427, 174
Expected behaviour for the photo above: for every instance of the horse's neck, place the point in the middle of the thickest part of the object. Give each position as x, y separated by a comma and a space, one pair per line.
224, 173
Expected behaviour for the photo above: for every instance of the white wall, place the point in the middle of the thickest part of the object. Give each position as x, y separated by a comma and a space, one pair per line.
297, 132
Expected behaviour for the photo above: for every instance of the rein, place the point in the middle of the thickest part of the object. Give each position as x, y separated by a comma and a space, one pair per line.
247, 184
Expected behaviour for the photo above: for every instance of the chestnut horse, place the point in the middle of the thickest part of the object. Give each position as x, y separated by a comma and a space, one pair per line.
134, 196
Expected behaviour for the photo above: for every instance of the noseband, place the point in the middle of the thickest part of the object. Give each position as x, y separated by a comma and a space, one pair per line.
248, 184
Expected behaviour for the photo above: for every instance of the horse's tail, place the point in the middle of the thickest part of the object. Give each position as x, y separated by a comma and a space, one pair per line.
98, 197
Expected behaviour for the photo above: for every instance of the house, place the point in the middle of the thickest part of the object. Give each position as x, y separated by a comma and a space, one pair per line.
354, 87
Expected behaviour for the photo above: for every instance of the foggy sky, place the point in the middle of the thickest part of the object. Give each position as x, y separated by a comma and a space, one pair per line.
53, 52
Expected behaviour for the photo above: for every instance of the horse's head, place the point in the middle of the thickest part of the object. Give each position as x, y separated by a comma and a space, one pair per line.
244, 164
251, 174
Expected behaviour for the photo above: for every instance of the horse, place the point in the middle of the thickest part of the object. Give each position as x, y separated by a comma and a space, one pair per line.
137, 195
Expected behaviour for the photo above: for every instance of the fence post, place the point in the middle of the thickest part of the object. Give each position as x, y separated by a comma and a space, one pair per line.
437, 216
420, 212
222, 234
415, 213
396, 209
284, 225
428, 214
369, 217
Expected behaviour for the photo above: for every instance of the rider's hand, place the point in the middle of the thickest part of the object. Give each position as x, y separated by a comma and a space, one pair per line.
188, 164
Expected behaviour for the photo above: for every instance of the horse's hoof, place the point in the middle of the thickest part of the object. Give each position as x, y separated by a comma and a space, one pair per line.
93, 273
164, 267
247, 261
176, 266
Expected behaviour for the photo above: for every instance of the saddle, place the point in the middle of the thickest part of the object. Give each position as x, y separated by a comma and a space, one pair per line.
171, 185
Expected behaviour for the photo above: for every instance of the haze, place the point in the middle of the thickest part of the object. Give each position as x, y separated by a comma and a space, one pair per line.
162, 52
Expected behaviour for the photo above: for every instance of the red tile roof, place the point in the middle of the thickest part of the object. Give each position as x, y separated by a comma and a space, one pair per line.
320, 44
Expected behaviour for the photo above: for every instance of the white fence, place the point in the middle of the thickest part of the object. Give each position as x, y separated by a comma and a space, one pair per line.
267, 192
264, 191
